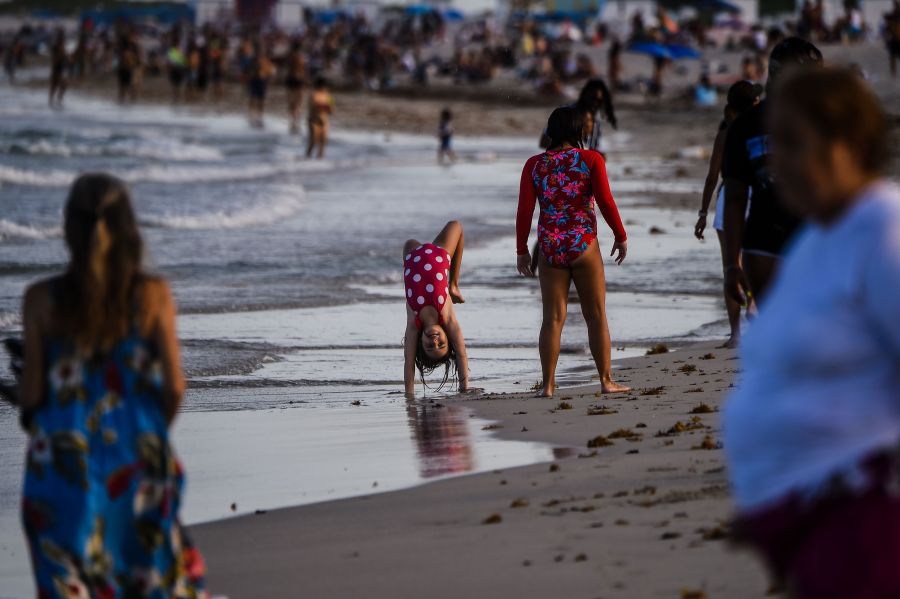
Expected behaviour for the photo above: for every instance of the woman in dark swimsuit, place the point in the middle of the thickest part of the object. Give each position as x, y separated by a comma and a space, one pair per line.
59, 66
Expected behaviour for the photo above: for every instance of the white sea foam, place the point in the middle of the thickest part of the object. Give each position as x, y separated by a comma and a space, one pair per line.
134, 148
49, 178
266, 212
12, 230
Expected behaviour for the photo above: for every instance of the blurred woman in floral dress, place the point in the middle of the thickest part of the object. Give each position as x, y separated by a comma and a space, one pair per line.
101, 385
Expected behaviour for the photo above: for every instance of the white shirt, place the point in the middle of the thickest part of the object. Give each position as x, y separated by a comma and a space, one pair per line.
821, 383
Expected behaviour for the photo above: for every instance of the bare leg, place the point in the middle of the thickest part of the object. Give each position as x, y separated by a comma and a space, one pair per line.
313, 135
409, 246
731, 307
323, 139
452, 239
590, 281
760, 271
555, 298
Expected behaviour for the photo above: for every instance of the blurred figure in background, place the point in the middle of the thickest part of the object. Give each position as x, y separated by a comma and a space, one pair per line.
321, 106
892, 36
813, 429
754, 244
742, 96
259, 73
294, 82
445, 135
129, 61
102, 383
176, 64
59, 70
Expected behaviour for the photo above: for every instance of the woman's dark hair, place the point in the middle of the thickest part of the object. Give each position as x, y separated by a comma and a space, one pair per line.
106, 252
446, 115
565, 125
425, 364
587, 100
320, 83
841, 107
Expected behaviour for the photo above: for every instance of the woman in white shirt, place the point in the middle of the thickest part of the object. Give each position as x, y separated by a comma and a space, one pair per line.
813, 430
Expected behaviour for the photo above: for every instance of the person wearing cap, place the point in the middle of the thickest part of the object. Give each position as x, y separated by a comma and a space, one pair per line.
755, 242
742, 96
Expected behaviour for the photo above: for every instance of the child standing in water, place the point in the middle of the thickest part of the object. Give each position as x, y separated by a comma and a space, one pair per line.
433, 336
445, 134
321, 105
566, 180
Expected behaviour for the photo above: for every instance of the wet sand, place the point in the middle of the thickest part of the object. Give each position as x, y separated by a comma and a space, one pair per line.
644, 514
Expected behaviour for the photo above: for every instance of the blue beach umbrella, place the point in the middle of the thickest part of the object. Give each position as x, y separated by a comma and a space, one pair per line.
453, 14
650, 49
677, 52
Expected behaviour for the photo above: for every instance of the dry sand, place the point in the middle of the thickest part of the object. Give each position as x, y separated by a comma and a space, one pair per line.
644, 516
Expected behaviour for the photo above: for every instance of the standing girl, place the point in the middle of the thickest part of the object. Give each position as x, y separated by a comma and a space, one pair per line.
433, 336
101, 386
321, 105
565, 180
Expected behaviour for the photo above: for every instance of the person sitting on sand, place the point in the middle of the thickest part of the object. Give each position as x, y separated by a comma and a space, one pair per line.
321, 106
566, 179
433, 335
742, 96
813, 428
101, 385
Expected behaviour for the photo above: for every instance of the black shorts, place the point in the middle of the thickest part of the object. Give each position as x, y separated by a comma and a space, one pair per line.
293, 84
176, 76
257, 88
768, 231
126, 76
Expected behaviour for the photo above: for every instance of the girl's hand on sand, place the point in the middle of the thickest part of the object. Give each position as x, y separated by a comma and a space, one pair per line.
523, 263
622, 248
700, 227
466, 390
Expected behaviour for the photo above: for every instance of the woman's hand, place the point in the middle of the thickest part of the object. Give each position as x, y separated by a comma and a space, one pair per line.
523, 263
622, 248
700, 227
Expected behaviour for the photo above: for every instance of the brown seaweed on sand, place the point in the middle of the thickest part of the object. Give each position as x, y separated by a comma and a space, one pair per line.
493, 519
708, 442
659, 348
519, 502
687, 368
702, 409
652, 390
598, 410
564, 405
599, 441
625, 433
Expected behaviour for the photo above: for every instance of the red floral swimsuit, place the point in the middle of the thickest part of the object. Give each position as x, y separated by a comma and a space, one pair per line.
566, 183
426, 276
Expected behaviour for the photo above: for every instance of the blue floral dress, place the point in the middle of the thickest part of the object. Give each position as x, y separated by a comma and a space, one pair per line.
102, 485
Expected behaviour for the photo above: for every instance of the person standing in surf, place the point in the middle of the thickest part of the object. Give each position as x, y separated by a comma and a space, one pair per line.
321, 106
59, 70
294, 82
433, 337
566, 180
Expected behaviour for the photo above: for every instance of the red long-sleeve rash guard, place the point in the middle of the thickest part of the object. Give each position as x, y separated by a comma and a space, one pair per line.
559, 200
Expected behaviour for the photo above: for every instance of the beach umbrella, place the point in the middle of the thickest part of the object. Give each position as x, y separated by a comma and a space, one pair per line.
678, 51
453, 14
416, 10
650, 49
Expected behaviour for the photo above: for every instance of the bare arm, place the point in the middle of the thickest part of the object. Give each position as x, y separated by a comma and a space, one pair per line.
166, 339
455, 336
712, 177
409, 354
34, 315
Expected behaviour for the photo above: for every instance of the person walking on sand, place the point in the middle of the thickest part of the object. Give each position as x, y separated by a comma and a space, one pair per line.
294, 82
445, 135
593, 98
321, 107
566, 180
433, 335
755, 242
742, 96
812, 430
100, 388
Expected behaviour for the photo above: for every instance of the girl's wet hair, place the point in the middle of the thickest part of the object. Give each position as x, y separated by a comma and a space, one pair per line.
565, 125
588, 96
425, 364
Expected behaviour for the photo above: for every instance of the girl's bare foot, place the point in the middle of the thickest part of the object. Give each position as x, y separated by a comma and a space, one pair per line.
546, 391
455, 295
609, 386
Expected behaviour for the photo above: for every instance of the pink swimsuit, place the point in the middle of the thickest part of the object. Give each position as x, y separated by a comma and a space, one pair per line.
426, 276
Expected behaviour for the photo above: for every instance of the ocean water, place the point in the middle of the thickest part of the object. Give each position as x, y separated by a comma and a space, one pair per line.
287, 275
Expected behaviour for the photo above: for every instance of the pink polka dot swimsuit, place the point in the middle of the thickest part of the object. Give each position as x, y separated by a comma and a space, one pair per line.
426, 276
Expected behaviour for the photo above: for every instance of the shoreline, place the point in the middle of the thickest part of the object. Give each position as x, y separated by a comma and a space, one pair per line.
642, 514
